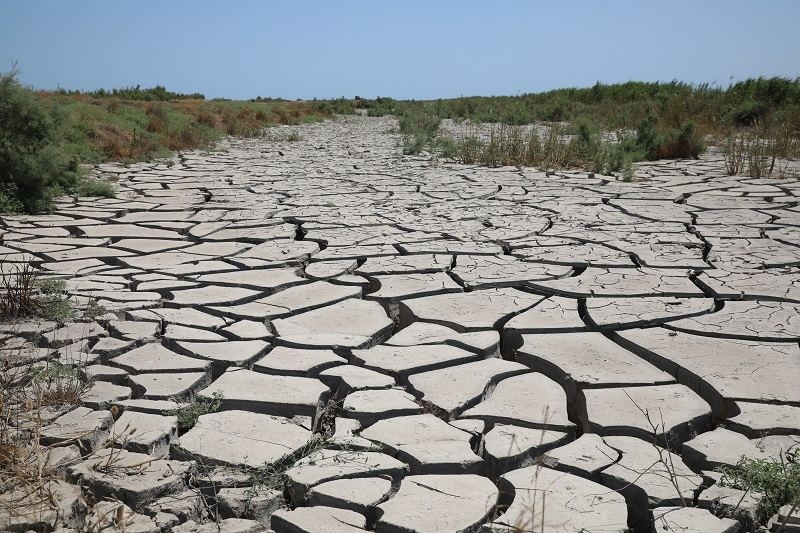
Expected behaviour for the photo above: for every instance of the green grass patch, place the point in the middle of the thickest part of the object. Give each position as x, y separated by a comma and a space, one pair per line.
188, 415
92, 187
777, 480
654, 121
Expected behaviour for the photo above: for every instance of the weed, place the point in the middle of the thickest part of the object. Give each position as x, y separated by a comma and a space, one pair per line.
549, 147
419, 131
59, 384
96, 188
24, 294
93, 310
619, 106
47, 134
760, 151
18, 297
29, 394
777, 479
292, 136
188, 415
672, 143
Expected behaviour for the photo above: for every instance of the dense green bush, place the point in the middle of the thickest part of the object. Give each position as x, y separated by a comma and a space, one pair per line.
778, 481
340, 106
151, 94
31, 165
671, 143
622, 105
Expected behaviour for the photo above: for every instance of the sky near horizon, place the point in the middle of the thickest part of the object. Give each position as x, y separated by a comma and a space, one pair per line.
404, 49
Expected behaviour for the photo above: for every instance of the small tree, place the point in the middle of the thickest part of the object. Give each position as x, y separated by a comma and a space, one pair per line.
30, 162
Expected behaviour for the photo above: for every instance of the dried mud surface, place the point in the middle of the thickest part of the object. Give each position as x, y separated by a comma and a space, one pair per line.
402, 344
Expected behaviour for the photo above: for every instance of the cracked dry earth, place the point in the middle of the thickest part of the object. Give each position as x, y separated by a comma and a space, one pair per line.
400, 344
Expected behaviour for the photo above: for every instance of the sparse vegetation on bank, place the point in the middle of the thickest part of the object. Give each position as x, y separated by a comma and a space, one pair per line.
646, 121
46, 136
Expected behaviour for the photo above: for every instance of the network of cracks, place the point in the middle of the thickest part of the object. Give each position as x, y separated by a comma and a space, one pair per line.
403, 344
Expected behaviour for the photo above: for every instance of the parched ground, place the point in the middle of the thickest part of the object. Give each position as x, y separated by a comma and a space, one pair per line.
402, 344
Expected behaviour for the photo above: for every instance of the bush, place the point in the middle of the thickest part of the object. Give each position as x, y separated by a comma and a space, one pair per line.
673, 143
90, 187
777, 480
748, 113
30, 163
188, 415
420, 129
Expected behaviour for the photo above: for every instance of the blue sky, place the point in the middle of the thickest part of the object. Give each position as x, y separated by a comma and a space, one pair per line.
404, 49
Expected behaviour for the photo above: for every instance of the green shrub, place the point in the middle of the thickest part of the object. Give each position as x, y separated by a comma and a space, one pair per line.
9, 199
748, 113
777, 480
672, 143
187, 416
92, 187
31, 165
420, 129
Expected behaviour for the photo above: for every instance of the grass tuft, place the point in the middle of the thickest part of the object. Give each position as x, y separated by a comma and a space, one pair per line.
778, 480
188, 415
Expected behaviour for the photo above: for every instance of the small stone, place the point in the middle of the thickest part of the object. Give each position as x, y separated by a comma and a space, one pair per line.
111, 374
225, 354
583, 457
369, 406
510, 447
450, 391
227, 525
329, 465
249, 502
344, 379
402, 361
527, 400
101, 394
648, 476
287, 361
352, 323
156, 358
560, 501
174, 386
670, 412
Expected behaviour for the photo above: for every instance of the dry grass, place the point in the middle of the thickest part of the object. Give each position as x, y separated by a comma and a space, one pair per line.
30, 396
760, 151
34, 390
547, 147
95, 129
18, 291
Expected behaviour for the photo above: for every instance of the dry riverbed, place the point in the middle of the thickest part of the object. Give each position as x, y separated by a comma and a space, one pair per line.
402, 344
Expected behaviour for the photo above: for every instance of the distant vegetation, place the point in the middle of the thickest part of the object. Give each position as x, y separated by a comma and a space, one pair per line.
647, 121
153, 94
46, 136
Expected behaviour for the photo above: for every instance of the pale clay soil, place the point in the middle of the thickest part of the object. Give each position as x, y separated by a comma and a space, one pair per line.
414, 345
